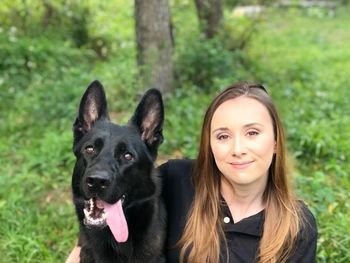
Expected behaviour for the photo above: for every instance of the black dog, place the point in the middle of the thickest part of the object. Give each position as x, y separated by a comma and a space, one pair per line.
116, 189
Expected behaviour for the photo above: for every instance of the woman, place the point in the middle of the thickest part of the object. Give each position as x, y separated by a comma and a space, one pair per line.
243, 208
234, 202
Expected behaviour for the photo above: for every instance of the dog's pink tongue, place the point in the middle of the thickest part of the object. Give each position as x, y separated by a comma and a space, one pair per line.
116, 221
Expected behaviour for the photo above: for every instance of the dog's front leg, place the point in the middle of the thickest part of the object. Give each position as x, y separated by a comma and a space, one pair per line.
86, 255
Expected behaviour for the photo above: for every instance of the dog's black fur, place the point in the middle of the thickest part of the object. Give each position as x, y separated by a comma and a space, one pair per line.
114, 162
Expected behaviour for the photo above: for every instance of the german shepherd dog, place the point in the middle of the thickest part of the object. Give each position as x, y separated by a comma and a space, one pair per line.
116, 189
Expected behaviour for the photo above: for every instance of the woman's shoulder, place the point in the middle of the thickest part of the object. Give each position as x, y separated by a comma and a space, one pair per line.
177, 168
309, 225
306, 243
176, 176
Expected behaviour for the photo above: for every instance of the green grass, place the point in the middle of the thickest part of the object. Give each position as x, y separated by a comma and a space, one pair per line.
302, 58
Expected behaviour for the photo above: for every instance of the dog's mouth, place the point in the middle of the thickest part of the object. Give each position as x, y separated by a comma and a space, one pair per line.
94, 211
99, 214
95, 214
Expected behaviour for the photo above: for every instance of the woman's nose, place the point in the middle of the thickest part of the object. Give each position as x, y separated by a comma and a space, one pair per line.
238, 146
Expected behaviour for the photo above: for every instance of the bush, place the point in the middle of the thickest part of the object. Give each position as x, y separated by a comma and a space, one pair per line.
202, 62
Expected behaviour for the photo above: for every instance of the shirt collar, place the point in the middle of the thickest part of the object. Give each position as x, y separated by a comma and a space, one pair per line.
252, 225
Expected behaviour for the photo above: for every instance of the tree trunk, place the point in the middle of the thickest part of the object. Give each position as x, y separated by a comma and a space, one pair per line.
210, 16
154, 44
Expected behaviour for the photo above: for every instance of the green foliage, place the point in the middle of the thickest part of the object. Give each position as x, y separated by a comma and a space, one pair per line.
318, 122
32, 18
238, 31
73, 21
184, 114
202, 62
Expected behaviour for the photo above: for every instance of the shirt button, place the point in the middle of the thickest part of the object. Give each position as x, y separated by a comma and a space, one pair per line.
227, 219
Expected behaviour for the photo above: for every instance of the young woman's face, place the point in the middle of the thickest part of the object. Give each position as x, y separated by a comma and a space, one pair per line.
242, 141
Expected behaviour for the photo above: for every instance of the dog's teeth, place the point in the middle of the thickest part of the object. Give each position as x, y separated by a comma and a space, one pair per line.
90, 220
86, 213
94, 216
91, 204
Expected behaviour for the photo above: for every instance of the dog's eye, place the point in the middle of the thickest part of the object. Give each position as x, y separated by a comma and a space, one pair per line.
89, 150
128, 156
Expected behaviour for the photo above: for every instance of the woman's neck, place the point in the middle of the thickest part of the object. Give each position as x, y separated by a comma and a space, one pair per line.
242, 200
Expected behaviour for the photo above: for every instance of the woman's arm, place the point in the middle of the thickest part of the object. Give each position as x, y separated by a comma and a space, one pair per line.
74, 256
306, 250
306, 244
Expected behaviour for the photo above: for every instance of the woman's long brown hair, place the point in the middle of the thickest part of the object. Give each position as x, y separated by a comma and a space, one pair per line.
203, 234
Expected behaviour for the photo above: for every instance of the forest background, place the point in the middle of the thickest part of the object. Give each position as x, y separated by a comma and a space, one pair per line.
51, 50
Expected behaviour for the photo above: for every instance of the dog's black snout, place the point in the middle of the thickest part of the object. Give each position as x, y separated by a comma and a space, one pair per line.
98, 180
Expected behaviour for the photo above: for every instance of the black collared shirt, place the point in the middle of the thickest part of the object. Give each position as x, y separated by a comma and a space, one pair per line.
242, 237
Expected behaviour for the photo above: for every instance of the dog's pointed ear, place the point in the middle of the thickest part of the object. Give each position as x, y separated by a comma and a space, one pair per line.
148, 119
93, 106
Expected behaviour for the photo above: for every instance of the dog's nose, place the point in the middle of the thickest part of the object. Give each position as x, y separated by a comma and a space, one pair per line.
99, 179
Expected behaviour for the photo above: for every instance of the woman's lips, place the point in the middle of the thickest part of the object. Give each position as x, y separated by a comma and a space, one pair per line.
241, 165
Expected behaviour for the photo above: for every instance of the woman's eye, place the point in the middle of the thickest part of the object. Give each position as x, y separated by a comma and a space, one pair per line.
128, 156
252, 133
222, 137
89, 150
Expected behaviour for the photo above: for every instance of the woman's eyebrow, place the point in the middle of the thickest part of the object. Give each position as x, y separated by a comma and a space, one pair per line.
248, 125
220, 129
